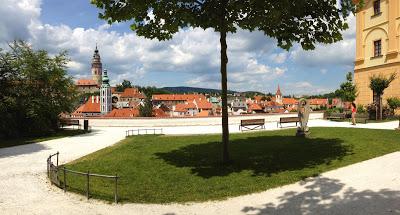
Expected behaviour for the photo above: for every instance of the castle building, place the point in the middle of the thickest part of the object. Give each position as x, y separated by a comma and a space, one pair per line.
377, 47
97, 67
105, 95
92, 85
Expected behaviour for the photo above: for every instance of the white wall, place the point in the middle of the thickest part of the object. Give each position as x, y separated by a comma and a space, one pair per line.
155, 122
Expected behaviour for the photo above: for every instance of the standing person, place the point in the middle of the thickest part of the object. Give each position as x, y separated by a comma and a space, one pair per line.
353, 113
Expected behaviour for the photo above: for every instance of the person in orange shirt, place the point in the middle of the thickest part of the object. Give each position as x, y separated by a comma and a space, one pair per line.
353, 113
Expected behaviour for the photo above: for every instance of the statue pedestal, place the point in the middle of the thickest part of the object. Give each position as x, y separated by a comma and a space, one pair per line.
302, 134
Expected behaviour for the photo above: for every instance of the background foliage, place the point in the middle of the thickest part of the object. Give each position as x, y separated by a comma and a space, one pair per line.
35, 90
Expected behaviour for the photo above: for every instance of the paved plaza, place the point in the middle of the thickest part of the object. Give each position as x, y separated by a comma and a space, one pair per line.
369, 187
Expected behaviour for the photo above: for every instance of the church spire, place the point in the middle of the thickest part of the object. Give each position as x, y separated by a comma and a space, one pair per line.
278, 95
97, 66
278, 92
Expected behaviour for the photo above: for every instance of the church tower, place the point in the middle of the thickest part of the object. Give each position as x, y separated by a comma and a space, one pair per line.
97, 67
278, 95
105, 94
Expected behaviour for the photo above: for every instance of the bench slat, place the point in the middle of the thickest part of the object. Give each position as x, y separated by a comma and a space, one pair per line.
252, 122
289, 119
258, 123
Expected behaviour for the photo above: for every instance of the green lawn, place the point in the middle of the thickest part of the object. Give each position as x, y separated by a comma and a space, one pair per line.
28, 140
164, 169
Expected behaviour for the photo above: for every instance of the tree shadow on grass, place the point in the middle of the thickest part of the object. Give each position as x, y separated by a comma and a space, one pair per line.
264, 155
330, 196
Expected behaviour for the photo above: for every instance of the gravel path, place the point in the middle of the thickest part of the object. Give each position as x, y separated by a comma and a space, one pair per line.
370, 187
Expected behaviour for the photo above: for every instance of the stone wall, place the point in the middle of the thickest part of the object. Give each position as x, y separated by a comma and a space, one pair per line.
362, 80
193, 121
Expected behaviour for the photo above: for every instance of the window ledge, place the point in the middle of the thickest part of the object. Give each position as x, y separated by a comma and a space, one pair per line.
376, 15
376, 57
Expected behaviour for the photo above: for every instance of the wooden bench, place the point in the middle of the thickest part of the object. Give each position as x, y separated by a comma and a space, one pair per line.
283, 120
336, 116
70, 122
252, 124
361, 118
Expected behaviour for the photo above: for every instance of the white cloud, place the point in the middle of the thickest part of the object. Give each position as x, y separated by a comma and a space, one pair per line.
75, 66
279, 58
192, 52
254, 76
16, 16
341, 53
306, 88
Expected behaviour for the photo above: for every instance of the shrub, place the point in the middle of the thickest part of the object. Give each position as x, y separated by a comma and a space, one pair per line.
371, 109
361, 109
393, 103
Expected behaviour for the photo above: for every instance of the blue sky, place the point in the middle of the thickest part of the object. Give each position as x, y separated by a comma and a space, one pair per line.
191, 58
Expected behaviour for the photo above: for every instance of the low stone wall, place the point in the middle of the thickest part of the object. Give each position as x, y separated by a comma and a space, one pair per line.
187, 121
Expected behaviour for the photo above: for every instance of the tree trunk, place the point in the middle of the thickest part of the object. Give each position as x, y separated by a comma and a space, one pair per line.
224, 86
380, 108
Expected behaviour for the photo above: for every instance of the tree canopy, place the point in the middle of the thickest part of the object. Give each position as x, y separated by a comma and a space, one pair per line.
146, 110
125, 84
35, 90
378, 84
306, 22
393, 103
348, 90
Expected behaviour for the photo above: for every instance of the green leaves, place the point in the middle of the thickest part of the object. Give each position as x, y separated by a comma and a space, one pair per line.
306, 22
348, 90
147, 109
125, 84
37, 90
378, 83
393, 103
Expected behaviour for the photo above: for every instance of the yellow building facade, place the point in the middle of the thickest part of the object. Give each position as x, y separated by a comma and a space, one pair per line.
377, 47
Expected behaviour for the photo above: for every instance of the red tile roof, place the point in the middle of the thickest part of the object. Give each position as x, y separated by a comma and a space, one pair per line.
86, 82
184, 107
254, 107
272, 103
318, 101
259, 99
123, 113
132, 93
114, 90
173, 97
289, 101
159, 113
203, 104
91, 106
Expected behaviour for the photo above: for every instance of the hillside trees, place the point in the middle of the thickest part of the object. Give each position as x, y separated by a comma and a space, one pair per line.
35, 90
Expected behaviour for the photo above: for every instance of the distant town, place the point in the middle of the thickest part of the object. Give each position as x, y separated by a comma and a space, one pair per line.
99, 99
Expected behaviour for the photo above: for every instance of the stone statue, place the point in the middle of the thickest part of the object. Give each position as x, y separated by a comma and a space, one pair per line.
304, 113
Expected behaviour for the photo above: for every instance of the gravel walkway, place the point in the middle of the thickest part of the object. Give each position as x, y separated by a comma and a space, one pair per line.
370, 187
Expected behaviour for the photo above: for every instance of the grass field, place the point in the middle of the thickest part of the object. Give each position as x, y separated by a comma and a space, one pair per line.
28, 140
164, 169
